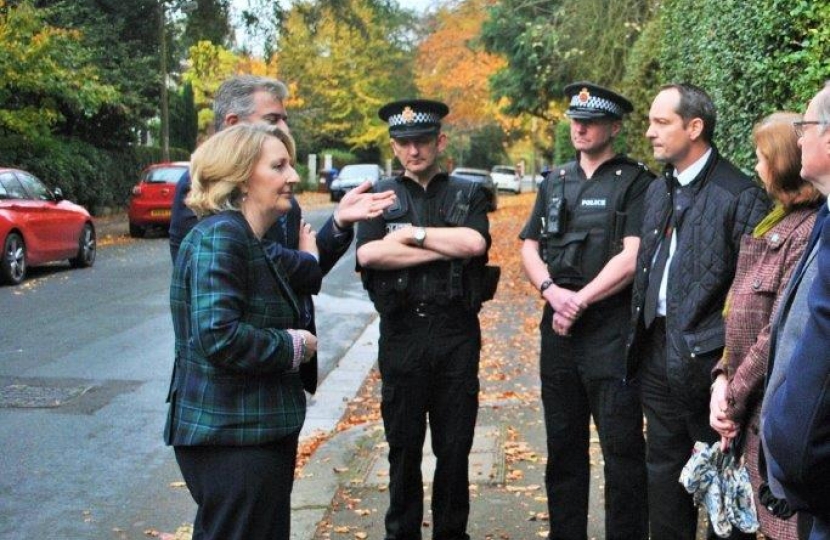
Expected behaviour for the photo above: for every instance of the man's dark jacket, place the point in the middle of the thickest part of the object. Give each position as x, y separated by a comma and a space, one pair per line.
726, 206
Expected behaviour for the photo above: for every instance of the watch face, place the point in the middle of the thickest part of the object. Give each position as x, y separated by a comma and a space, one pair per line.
420, 235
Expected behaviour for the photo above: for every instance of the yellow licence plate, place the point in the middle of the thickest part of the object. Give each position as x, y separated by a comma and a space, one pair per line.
160, 213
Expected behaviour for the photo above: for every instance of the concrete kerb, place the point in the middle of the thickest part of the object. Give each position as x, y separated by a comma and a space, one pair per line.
314, 491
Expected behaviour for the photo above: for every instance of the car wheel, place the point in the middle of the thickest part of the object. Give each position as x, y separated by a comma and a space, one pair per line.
136, 231
86, 248
13, 264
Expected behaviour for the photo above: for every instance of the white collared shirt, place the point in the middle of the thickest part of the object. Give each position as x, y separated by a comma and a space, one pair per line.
684, 179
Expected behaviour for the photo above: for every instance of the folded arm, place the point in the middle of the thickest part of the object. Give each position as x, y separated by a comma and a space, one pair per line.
398, 249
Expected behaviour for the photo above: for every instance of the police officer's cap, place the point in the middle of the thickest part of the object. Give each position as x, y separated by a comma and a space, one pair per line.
411, 118
589, 101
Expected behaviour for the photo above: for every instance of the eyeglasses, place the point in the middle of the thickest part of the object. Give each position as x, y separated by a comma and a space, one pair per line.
799, 126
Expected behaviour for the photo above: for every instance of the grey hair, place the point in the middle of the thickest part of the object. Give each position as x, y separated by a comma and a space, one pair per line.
236, 96
822, 100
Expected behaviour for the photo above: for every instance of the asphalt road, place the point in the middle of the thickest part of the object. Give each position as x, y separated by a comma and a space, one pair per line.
85, 359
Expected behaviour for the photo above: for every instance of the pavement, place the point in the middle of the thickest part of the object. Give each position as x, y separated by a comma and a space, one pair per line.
342, 492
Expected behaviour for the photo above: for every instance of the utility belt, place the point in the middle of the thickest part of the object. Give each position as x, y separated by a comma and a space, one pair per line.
466, 285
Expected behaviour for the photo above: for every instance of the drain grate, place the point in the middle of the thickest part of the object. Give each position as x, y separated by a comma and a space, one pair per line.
26, 396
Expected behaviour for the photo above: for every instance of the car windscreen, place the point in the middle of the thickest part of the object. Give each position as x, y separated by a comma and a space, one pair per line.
169, 175
504, 170
358, 172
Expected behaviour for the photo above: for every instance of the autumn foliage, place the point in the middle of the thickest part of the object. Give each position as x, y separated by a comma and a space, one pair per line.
451, 64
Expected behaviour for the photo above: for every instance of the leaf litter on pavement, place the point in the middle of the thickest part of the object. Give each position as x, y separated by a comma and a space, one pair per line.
508, 374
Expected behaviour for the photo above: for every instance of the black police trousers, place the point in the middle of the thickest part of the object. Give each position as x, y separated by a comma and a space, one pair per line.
577, 384
428, 361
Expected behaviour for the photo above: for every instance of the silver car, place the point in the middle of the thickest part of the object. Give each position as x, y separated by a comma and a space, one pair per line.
352, 176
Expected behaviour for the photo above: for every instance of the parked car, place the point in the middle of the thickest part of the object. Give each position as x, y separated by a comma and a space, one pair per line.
151, 202
325, 177
352, 176
507, 178
38, 226
483, 176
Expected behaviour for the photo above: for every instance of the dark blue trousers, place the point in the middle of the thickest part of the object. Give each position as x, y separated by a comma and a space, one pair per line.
242, 492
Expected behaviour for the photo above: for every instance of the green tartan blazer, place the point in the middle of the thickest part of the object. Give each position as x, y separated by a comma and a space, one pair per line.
232, 381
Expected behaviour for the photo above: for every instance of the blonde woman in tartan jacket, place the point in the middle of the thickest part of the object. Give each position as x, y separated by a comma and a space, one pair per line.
236, 398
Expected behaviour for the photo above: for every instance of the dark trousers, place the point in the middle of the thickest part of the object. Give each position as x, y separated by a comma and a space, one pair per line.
570, 399
429, 369
671, 431
242, 492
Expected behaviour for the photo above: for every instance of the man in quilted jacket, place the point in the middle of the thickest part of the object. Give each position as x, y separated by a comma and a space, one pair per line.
694, 219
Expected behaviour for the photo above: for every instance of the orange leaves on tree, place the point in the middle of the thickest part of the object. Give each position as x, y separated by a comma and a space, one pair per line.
451, 65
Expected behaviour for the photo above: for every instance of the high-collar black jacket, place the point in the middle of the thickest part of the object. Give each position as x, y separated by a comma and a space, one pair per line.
725, 205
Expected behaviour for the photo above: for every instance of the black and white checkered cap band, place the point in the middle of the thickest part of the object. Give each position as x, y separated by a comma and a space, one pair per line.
595, 102
414, 118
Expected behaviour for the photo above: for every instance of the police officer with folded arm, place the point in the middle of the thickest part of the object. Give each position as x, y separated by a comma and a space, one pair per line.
422, 263
579, 250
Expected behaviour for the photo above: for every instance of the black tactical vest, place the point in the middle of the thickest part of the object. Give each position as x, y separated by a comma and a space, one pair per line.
594, 223
440, 282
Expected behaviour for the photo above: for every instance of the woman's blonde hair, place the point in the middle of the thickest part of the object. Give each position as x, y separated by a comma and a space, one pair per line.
776, 140
224, 162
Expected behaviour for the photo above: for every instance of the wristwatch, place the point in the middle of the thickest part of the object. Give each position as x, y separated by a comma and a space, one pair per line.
544, 286
420, 235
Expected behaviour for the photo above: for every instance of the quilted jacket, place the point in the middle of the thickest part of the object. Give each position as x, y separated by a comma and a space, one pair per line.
726, 205
232, 382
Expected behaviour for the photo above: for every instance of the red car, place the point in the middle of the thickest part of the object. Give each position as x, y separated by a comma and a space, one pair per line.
38, 226
152, 197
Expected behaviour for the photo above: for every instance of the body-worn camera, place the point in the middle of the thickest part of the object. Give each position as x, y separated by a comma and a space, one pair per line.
556, 219
557, 216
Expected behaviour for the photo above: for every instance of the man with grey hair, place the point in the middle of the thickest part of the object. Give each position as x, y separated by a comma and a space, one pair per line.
254, 99
795, 415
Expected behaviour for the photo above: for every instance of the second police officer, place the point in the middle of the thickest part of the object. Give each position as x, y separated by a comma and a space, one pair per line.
422, 263
579, 250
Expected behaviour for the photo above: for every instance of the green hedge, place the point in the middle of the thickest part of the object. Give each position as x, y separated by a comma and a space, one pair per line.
98, 179
753, 58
